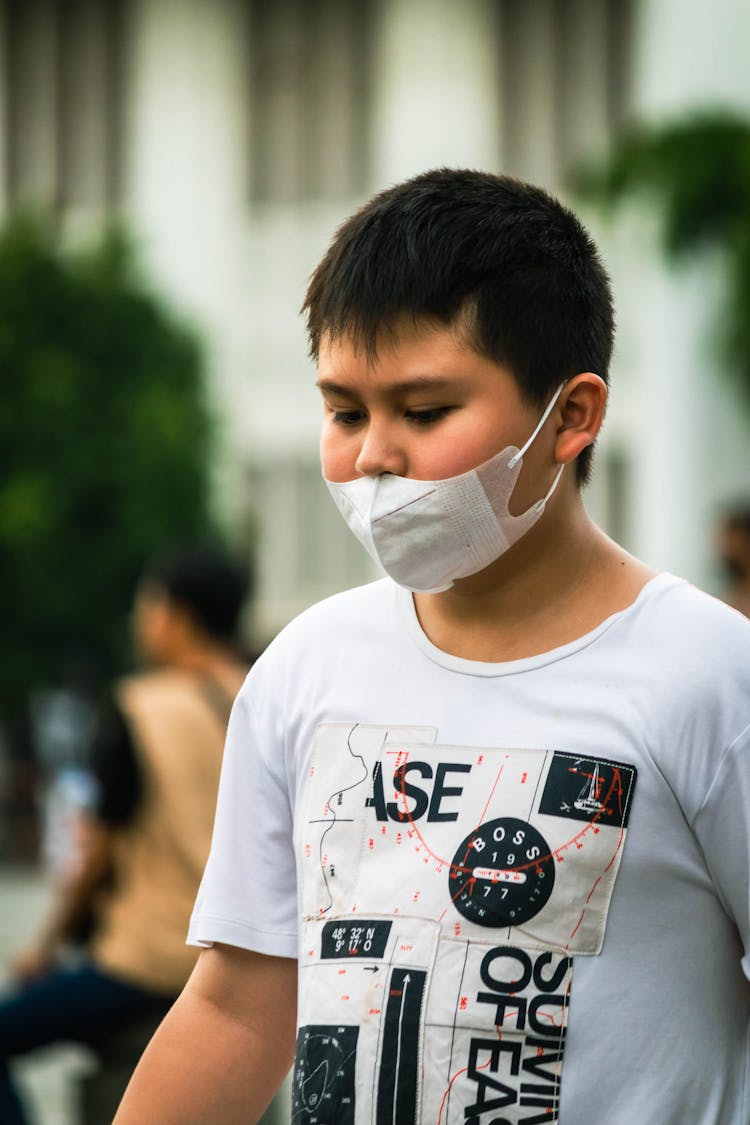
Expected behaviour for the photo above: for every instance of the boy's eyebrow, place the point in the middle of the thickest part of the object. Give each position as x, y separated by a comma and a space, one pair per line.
418, 383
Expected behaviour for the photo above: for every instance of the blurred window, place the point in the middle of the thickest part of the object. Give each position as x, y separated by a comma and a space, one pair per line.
309, 69
565, 76
62, 94
304, 550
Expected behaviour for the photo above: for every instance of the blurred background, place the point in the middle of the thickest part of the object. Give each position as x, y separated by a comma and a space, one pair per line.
170, 173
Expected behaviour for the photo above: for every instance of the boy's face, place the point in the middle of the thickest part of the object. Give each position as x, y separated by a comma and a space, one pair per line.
154, 619
429, 407
734, 551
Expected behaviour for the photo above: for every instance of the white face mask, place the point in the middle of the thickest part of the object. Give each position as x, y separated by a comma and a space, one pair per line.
428, 533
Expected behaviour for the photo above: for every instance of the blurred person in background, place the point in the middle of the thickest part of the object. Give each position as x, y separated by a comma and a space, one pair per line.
733, 551
142, 850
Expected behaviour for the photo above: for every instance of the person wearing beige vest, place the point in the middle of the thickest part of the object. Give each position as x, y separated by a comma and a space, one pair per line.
159, 857
156, 759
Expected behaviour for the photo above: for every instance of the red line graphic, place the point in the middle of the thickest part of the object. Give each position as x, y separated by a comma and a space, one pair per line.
492, 793
447, 1094
458, 869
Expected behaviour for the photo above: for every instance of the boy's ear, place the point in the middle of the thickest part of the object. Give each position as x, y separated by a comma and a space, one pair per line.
582, 404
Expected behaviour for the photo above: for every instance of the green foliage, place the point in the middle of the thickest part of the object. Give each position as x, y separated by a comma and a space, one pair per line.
104, 448
697, 171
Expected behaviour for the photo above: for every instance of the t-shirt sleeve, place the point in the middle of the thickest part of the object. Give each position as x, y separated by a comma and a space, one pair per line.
722, 826
248, 894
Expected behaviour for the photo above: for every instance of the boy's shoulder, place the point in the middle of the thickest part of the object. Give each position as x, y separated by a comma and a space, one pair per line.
692, 609
672, 622
682, 624
353, 612
668, 607
359, 602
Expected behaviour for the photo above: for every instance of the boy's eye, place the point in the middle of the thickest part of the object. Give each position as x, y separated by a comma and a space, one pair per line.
427, 417
348, 417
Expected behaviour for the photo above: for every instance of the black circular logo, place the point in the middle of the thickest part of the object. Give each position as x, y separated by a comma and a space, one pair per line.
502, 874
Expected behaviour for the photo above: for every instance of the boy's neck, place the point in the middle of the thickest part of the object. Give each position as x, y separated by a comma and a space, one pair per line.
555, 585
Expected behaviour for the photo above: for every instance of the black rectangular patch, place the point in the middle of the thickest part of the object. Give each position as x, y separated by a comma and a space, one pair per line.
590, 789
363, 938
399, 1056
323, 1090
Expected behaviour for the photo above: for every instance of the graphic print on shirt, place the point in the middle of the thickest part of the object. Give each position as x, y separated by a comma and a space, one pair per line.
445, 891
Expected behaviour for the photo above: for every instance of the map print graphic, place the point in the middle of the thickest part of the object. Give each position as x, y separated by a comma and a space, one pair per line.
446, 891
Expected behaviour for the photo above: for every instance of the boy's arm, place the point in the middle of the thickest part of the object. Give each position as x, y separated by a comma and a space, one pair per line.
224, 1048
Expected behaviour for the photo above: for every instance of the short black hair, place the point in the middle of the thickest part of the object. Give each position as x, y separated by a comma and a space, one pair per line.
206, 582
504, 255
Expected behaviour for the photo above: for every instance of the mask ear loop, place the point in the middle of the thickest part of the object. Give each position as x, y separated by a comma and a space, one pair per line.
541, 504
547, 411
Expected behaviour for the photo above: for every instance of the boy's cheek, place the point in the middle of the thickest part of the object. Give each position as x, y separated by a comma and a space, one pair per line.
337, 464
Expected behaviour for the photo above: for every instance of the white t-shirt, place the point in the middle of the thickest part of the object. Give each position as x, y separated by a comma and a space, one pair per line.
518, 892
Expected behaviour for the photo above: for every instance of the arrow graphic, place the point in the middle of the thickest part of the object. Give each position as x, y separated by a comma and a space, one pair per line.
398, 1078
407, 978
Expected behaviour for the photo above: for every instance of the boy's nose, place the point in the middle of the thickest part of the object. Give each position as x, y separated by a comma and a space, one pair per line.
380, 453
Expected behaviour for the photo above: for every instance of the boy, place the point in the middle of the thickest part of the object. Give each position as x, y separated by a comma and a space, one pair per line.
510, 793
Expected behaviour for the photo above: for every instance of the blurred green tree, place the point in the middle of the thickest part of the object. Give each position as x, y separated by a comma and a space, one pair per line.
697, 172
105, 442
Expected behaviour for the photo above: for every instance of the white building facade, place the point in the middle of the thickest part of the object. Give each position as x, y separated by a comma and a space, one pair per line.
234, 136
